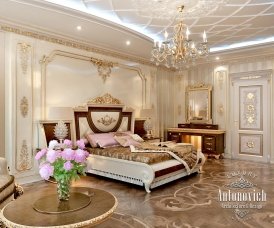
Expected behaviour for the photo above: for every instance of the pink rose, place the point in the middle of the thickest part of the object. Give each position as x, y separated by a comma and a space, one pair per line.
51, 156
68, 154
46, 171
68, 165
80, 156
68, 143
81, 143
40, 154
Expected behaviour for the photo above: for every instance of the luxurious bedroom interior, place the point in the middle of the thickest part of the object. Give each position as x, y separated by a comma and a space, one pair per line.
136, 113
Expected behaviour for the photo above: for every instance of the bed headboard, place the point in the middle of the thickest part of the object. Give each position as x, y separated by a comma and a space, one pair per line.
102, 114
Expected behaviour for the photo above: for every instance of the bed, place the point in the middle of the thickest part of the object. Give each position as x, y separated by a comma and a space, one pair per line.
106, 114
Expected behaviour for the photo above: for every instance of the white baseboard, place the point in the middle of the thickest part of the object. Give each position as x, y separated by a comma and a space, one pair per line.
28, 179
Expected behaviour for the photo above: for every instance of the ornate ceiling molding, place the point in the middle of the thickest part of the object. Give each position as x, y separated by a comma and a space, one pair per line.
75, 44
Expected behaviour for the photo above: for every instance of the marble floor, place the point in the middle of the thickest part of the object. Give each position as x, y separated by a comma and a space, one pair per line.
193, 201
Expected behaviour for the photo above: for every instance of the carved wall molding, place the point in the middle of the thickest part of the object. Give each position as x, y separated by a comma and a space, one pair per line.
24, 161
199, 85
20, 30
249, 75
24, 106
220, 109
45, 60
221, 75
24, 99
104, 67
75, 44
24, 56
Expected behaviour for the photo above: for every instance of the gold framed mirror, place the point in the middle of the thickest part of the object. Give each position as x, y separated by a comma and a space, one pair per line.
198, 103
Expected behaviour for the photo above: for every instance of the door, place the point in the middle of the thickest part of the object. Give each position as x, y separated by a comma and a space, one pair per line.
251, 116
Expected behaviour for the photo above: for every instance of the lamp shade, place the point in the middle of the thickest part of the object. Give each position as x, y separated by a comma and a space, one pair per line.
60, 113
148, 113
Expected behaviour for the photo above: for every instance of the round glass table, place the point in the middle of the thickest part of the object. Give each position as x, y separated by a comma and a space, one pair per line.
22, 213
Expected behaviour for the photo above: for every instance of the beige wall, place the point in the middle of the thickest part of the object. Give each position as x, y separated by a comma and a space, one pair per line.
2, 96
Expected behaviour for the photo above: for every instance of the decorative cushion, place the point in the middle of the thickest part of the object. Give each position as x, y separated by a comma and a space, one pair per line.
126, 141
137, 137
102, 139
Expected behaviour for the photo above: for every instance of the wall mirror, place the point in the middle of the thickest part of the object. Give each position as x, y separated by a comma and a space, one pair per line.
198, 104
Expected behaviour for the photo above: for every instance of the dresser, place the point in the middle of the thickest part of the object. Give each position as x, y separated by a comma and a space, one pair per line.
212, 139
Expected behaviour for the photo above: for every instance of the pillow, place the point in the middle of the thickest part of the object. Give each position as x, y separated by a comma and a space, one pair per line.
137, 137
101, 139
122, 133
126, 141
107, 142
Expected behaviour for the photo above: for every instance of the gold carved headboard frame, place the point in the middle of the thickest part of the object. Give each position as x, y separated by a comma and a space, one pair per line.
103, 114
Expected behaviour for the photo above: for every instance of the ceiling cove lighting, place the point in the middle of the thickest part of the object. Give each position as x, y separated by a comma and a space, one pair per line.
77, 5
242, 44
179, 51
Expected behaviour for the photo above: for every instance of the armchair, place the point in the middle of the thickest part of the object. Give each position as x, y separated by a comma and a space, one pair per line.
7, 184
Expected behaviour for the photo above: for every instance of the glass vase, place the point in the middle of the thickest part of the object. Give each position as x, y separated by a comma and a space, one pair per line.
63, 189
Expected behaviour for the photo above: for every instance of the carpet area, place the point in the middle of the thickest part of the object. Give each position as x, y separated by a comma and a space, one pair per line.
200, 200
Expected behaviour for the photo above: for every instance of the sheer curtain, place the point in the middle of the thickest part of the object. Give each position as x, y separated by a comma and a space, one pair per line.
166, 90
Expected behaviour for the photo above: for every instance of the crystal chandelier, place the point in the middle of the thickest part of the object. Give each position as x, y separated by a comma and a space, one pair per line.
180, 50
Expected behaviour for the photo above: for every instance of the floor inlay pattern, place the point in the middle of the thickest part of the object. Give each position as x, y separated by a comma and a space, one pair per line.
190, 202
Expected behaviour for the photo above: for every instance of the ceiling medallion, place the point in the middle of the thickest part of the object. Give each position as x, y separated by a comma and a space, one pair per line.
166, 9
179, 51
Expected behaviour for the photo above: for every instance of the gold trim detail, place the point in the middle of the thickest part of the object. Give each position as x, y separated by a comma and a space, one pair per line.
24, 106
78, 45
106, 120
250, 108
250, 144
105, 99
200, 85
24, 56
93, 221
103, 67
24, 161
190, 113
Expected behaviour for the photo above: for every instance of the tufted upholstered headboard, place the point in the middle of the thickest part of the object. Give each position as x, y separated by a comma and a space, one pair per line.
102, 114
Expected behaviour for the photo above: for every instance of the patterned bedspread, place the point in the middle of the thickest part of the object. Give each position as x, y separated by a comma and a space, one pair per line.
154, 155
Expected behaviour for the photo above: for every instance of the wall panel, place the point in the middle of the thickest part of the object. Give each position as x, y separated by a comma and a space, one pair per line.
2, 94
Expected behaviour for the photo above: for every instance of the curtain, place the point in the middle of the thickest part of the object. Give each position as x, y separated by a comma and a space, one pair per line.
166, 99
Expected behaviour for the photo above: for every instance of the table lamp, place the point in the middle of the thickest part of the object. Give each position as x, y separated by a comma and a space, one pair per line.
147, 113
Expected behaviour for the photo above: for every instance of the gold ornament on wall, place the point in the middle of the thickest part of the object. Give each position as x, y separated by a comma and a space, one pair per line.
24, 159
220, 109
103, 67
24, 56
24, 106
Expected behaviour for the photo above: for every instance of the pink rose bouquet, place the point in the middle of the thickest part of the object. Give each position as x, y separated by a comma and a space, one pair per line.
62, 161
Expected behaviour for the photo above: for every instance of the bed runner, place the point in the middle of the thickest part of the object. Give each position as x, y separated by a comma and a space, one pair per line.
147, 148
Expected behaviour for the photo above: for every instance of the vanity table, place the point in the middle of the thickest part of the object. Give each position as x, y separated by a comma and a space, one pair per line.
212, 139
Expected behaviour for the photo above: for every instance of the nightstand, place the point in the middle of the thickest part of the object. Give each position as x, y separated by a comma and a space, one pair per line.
152, 140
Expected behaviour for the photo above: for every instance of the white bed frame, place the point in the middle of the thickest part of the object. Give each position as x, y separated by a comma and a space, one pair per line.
136, 172
128, 171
